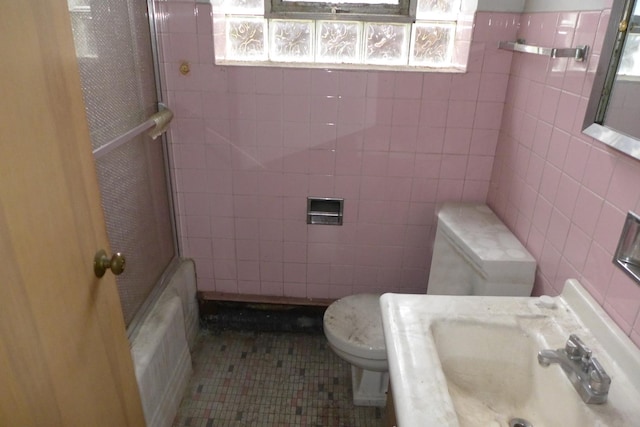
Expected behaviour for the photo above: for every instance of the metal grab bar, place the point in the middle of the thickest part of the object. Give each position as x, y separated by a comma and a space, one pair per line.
157, 124
578, 53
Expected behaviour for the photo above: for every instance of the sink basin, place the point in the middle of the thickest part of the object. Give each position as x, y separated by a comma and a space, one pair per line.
472, 361
493, 376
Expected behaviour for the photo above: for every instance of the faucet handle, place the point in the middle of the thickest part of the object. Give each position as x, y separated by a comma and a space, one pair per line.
576, 349
599, 381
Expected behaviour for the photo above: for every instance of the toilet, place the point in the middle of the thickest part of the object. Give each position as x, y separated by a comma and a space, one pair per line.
474, 254
353, 327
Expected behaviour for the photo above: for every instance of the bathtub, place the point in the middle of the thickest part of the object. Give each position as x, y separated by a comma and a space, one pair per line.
161, 347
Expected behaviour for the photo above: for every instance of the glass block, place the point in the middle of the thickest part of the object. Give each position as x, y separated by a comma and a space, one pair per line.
291, 40
246, 39
386, 44
432, 44
437, 9
240, 7
338, 41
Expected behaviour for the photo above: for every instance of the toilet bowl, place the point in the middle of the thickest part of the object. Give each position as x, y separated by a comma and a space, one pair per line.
474, 254
353, 327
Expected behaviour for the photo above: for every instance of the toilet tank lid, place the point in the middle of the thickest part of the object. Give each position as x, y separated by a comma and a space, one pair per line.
476, 230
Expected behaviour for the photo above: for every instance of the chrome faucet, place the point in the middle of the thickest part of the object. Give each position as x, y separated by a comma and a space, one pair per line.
584, 371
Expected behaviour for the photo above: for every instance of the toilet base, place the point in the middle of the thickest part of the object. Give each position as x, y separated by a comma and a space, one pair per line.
369, 387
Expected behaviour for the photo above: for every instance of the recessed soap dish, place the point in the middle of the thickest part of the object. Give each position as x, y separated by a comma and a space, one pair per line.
324, 210
627, 254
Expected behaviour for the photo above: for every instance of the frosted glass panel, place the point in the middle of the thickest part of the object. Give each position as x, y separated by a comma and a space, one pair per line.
136, 207
114, 55
113, 46
246, 38
432, 44
386, 43
291, 41
339, 41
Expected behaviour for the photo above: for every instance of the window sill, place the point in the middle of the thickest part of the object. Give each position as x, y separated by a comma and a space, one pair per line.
342, 66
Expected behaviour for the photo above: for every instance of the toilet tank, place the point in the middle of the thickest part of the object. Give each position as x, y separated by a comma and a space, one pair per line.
476, 254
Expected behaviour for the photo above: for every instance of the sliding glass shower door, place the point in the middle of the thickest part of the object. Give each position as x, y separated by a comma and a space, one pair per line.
114, 50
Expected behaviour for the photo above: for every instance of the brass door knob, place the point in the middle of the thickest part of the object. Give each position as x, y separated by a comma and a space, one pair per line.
102, 262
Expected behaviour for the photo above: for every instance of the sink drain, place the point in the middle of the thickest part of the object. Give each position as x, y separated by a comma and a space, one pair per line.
519, 422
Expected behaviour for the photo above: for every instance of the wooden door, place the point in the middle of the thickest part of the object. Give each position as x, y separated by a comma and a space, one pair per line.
64, 354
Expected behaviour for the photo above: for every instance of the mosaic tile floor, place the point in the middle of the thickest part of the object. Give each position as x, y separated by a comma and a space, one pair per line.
270, 379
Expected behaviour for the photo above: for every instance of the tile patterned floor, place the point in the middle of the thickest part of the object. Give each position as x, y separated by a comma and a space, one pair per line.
270, 379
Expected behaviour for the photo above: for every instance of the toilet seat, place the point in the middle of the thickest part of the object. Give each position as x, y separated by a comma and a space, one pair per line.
353, 324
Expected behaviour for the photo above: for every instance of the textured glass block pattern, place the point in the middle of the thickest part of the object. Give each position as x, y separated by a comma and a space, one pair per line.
113, 46
243, 7
432, 44
386, 43
291, 41
437, 9
339, 41
246, 38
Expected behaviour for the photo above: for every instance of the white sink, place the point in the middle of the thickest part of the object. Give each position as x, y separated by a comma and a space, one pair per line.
472, 361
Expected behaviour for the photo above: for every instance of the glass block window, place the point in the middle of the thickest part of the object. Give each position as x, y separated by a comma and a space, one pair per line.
291, 41
431, 44
386, 43
246, 38
339, 41
437, 38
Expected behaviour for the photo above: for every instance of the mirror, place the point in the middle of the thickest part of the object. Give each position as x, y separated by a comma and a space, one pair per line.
613, 113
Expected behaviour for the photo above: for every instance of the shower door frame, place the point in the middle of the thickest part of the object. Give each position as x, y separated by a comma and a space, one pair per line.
161, 284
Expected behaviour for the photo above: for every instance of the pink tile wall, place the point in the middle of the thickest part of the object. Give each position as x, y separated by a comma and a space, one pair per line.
250, 144
564, 194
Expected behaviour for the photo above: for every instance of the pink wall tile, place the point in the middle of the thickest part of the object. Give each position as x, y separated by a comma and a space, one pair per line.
577, 247
597, 272
461, 114
493, 87
324, 82
181, 17
622, 193
535, 169
549, 104
401, 164
352, 84
567, 195
433, 112
406, 112
587, 210
465, 86
488, 115
403, 138
436, 87
623, 298
565, 115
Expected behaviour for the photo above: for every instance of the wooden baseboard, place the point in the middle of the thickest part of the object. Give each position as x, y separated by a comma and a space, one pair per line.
206, 296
